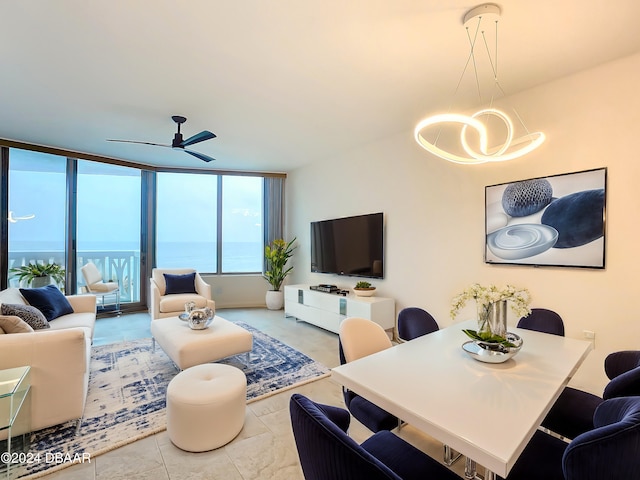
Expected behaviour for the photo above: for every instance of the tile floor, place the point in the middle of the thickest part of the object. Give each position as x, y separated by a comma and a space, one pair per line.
264, 449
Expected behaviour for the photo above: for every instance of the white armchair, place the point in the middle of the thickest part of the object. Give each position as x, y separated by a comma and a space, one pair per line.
94, 283
165, 303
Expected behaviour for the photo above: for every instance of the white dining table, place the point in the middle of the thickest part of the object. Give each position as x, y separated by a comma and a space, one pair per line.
487, 412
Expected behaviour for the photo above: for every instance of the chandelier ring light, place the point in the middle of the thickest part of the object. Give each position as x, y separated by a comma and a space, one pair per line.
501, 153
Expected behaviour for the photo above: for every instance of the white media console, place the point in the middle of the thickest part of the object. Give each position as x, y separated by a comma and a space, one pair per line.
327, 310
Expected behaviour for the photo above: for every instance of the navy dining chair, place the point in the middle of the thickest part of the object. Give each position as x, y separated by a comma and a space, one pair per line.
543, 320
572, 414
414, 322
326, 452
607, 452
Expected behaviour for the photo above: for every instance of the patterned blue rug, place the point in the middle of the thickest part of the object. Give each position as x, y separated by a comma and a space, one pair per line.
127, 390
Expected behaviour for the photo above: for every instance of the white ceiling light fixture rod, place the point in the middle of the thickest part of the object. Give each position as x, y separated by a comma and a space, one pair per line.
509, 150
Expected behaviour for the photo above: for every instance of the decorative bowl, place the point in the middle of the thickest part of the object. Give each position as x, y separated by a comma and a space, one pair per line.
489, 352
522, 240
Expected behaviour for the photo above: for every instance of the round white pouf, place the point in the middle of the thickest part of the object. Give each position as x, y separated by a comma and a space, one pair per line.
206, 406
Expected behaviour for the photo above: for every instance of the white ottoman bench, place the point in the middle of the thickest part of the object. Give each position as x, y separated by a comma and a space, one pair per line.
206, 406
187, 347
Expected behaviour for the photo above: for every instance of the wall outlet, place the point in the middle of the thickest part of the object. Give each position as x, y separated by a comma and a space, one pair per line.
589, 334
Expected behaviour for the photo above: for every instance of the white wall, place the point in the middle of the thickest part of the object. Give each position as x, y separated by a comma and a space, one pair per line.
435, 211
238, 291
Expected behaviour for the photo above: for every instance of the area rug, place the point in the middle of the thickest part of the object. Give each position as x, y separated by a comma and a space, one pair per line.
127, 390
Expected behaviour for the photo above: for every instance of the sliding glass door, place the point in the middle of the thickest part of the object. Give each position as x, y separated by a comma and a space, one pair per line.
108, 224
37, 210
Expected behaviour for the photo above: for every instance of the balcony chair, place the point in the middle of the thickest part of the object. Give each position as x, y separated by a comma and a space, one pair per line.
95, 285
327, 452
607, 452
414, 322
171, 288
572, 414
543, 320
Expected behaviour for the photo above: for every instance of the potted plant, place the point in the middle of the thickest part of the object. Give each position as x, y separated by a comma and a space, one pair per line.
364, 289
277, 255
39, 274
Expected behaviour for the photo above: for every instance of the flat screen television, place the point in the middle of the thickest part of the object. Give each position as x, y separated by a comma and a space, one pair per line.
351, 246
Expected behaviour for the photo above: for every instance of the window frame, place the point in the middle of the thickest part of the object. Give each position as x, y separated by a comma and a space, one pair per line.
148, 195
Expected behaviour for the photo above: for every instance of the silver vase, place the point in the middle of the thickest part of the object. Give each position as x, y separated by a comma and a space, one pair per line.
497, 318
200, 318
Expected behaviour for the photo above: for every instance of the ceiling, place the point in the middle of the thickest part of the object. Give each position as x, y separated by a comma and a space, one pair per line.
281, 82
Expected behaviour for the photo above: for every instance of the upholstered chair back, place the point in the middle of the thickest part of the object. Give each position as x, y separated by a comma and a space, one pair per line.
543, 320
157, 274
414, 322
361, 337
91, 273
610, 450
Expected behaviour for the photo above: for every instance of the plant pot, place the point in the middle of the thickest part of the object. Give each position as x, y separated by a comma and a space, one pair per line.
365, 292
275, 299
38, 282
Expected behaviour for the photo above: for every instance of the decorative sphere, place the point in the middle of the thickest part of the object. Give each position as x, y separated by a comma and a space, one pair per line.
578, 218
200, 318
526, 197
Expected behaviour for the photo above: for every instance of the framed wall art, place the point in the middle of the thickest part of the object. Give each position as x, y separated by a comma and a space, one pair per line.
557, 220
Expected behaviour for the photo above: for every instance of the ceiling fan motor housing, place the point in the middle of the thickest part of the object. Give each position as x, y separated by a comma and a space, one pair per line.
177, 138
177, 141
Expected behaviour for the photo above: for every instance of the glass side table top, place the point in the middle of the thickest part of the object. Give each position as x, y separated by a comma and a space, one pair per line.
14, 384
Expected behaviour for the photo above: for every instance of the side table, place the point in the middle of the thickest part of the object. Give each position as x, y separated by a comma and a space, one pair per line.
15, 417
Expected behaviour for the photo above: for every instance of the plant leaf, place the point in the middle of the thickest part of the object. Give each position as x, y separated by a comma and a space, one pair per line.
488, 337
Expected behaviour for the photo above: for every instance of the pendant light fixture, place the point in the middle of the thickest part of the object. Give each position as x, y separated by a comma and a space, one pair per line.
428, 131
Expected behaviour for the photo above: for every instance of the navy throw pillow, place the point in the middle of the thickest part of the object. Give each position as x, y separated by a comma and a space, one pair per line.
49, 300
180, 283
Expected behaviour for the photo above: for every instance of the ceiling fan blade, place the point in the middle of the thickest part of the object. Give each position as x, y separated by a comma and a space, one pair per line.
201, 156
198, 137
141, 143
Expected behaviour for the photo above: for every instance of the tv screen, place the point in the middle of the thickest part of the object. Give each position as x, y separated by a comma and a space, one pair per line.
349, 246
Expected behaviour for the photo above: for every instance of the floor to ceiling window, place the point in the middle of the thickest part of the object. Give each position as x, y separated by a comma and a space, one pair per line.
108, 224
186, 227
210, 223
126, 220
37, 209
242, 235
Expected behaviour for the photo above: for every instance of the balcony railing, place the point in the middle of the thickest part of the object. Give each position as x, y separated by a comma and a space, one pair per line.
122, 266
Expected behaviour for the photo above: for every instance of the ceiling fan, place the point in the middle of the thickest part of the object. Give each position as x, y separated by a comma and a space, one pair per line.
179, 143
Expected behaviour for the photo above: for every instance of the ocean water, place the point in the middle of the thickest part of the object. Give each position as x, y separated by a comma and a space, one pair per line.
238, 257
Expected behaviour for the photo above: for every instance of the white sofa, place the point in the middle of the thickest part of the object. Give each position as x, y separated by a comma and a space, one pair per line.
59, 359
162, 305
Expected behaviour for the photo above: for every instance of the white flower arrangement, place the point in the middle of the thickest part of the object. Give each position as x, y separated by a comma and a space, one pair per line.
519, 298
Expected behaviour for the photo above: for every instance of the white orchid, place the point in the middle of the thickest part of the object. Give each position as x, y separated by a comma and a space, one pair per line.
519, 298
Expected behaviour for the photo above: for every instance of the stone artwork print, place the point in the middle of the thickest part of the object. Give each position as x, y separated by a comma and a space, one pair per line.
557, 220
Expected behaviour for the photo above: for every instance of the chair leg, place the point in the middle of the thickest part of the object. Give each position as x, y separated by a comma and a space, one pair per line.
78, 425
449, 456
